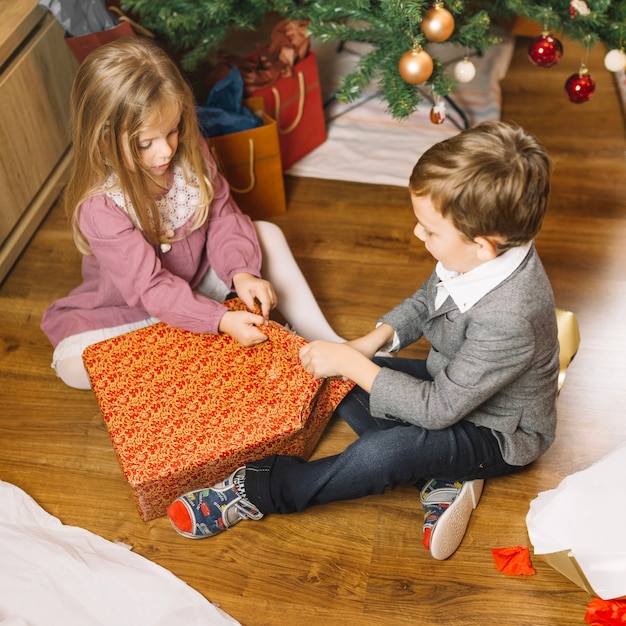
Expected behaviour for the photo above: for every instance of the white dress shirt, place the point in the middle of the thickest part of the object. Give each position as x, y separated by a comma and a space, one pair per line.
467, 289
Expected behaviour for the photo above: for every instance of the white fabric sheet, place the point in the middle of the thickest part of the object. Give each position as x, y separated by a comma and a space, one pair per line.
365, 144
585, 514
57, 575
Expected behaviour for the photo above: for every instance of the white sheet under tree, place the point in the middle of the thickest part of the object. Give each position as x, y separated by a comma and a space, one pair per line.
365, 144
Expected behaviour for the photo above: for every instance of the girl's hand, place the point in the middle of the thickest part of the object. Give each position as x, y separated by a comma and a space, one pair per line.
242, 326
255, 292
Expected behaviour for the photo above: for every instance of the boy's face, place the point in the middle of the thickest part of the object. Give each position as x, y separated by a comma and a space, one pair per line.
441, 238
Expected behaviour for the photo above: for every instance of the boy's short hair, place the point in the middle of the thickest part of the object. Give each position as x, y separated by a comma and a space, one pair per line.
493, 179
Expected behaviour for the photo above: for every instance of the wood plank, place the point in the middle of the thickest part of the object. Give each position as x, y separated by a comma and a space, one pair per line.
360, 562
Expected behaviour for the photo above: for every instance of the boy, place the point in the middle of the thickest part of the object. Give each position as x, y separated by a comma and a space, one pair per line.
482, 404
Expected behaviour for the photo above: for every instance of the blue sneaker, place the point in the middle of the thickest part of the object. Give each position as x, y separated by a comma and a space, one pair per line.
207, 512
448, 507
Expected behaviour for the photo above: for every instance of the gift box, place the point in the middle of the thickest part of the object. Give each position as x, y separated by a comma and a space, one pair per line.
578, 528
185, 410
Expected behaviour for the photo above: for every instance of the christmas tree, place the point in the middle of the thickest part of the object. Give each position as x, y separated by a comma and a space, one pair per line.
401, 34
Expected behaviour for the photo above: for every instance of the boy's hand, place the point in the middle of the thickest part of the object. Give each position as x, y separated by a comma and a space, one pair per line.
242, 326
376, 340
324, 359
255, 292
365, 345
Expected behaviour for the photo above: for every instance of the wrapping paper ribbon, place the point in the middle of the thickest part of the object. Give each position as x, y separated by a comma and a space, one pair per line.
605, 612
289, 44
513, 561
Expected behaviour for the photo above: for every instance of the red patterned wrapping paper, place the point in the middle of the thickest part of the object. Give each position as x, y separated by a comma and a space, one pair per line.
184, 410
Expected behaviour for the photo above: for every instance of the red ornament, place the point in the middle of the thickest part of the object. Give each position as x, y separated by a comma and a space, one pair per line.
580, 87
545, 50
578, 7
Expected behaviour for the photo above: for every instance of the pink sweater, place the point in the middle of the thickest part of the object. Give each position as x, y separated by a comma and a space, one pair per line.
128, 279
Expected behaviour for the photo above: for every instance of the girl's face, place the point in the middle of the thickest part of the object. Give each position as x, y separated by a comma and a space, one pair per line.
442, 239
157, 142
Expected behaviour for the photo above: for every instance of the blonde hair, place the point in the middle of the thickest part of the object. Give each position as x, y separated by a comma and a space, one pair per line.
119, 89
493, 179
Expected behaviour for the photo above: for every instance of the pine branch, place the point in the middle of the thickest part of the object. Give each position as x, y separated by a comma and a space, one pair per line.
195, 28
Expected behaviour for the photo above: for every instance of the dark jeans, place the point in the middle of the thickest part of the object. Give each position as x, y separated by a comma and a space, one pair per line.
387, 453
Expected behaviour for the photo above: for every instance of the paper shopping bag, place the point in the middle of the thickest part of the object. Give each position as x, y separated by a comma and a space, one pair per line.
81, 46
559, 522
295, 102
251, 163
185, 410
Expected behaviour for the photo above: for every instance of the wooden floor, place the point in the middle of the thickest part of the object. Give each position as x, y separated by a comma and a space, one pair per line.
361, 562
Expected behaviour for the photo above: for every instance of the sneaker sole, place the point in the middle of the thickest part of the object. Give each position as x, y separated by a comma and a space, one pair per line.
451, 526
184, 533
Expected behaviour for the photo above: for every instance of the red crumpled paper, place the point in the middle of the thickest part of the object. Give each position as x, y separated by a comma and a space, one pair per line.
513, 561
605, 612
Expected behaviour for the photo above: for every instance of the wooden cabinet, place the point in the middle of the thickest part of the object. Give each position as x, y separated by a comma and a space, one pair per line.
36, 74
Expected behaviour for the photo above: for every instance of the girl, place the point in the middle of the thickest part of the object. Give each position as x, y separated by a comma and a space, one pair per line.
161, 237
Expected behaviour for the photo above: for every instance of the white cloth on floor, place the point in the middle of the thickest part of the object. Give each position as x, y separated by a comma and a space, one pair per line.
57, 575
365, 144
584, 516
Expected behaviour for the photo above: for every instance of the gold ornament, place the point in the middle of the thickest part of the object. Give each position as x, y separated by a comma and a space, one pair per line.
415, 66
438, 23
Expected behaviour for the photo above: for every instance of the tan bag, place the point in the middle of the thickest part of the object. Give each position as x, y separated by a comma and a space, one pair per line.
250, 161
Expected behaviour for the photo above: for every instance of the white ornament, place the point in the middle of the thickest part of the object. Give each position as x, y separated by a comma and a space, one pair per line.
615, 60
580, 7
464, 71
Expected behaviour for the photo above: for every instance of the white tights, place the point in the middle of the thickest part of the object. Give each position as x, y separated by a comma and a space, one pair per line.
296, 303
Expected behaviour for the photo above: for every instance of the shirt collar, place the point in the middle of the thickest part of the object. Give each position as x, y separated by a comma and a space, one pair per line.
467, 289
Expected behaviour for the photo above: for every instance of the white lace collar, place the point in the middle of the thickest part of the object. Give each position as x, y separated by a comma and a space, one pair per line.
176, 206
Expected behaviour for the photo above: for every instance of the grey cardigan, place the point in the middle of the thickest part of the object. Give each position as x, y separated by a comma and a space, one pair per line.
495, 365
